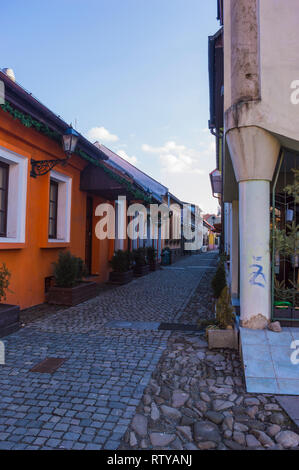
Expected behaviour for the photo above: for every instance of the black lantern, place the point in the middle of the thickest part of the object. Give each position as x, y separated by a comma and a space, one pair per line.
69, 142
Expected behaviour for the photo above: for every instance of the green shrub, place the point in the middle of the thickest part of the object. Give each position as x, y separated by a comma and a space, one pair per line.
68, 270
151, 254
204, 322
224, 310
121, 261
4, 281
139, 257
82, 269
219, 280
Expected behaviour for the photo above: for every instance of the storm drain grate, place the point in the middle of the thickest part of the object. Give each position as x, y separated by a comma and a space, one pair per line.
48, 365
178, 327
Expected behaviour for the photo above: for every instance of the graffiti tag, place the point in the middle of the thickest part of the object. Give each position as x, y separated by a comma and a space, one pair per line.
257, 276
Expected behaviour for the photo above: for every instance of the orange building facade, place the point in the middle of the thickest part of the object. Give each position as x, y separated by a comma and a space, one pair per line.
39, 216
27, 249
42, 214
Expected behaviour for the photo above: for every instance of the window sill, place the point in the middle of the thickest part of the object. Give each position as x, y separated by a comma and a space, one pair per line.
56, 244
12, 245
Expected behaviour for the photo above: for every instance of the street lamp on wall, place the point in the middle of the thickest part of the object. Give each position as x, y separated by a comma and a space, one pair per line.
69, 143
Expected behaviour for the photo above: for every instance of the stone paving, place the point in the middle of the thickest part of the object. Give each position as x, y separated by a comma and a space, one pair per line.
291, 405
133, 388
158, 297
197, 400
88, 403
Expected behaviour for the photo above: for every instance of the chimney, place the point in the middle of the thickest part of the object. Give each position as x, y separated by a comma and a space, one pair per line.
10, 73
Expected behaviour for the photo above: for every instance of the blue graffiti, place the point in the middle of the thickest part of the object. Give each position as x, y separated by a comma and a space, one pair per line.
257, 277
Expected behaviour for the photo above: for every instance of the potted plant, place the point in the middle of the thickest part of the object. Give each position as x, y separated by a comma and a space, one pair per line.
152, 258
285, 258
219, 281
222, 333
70, 289
121, 264
141, 268
9, 314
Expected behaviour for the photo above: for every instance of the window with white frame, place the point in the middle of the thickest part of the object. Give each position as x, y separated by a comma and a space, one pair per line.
60, 197
13, 196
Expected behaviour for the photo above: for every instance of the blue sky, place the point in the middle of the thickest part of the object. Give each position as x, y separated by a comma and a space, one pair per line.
132, 73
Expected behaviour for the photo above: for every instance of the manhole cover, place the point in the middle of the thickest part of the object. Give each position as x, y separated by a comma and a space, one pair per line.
178, 327
48, 366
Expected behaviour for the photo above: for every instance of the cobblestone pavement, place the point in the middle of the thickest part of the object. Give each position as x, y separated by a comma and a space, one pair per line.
196, 399
160, 296
30, 315
90, 400
200, 305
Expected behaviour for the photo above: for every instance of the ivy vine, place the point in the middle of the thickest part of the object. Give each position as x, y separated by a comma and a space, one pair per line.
135, 192
28, 121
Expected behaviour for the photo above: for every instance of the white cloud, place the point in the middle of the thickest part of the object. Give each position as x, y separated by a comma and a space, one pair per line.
101, 134
133, 160
177, 158
184, 169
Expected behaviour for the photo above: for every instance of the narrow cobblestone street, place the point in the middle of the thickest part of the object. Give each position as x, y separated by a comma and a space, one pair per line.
134, 388
89, 402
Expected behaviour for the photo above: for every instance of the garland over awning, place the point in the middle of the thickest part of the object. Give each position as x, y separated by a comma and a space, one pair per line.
28, 121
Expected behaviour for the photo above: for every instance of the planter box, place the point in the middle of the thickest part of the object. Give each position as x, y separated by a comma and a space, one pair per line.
71, 296
223, 339
121, 278
9, 319
153, 266
140, 271
288, 313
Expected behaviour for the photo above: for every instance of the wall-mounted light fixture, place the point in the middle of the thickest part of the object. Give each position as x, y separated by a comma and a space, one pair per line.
69, 143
